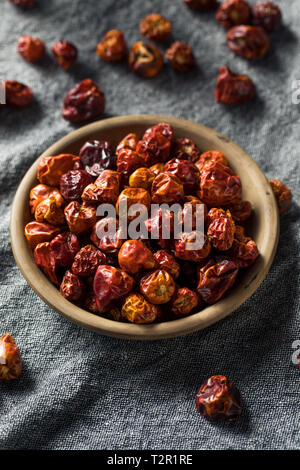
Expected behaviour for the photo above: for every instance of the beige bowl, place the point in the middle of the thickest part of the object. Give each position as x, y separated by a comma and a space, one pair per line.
264, 227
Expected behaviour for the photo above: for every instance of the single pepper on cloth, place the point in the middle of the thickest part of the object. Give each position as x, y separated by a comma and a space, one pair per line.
65, 53
112, 47
233, 88
250, 42
17, 94
180, 56
267, 15
233, 13
145, 59
83, 102
10, 359
218, 399
155, 27
30, 48
282, 194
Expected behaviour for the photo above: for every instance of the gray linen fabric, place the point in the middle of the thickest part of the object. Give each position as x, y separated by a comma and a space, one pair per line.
80, 390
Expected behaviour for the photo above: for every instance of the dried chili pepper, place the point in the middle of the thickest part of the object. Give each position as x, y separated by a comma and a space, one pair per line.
112, 48
30, 48
282, 194
233, 88
250, 42
17, 94
155, 27
145, 59
65, 54
218, 399
267, 15
10, 359
180, 56
83, 102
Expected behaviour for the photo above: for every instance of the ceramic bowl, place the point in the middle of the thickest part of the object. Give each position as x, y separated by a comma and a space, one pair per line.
263, 227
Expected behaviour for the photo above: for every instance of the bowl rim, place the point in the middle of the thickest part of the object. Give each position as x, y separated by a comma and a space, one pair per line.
179, 327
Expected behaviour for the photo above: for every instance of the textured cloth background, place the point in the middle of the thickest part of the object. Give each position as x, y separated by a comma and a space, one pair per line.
80, 390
